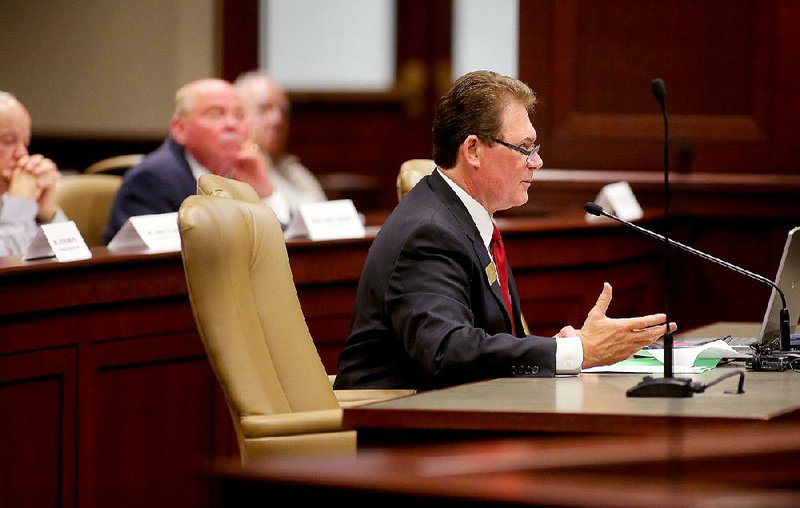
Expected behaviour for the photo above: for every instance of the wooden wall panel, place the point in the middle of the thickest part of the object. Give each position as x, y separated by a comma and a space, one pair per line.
37, 441
154, 420
730, 70
718, 61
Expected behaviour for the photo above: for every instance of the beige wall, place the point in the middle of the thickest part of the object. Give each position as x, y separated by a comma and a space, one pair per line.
104, 67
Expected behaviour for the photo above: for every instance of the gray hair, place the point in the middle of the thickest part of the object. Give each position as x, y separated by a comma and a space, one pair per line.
7, 99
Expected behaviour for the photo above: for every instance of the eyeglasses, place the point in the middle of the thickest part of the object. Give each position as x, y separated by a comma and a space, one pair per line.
528, 153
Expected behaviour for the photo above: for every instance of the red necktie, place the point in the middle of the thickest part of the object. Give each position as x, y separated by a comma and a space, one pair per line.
499, 255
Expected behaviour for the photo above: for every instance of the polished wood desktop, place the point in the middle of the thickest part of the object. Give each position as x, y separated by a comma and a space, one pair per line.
720, 330
587, 404
564, 441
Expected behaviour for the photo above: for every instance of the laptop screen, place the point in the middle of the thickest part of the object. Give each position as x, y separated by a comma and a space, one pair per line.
788, 279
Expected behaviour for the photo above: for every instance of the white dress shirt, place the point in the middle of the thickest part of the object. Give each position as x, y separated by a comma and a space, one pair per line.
569, 350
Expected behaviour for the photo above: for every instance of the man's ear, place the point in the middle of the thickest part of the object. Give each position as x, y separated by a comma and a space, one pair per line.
177, 129
470, 149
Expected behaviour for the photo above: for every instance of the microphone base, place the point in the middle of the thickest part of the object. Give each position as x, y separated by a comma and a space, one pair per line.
671, 387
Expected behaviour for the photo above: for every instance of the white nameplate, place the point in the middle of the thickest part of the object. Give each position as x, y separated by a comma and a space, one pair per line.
156, 232
59, 239
326, 220
618, 199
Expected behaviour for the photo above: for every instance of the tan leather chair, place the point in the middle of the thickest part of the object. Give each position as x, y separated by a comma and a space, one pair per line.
215, 185
249, 318
87, 200
116, 165
411, 172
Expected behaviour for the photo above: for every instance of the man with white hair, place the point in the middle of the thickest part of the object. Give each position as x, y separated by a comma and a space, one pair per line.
208, 134
268, 107
27, 182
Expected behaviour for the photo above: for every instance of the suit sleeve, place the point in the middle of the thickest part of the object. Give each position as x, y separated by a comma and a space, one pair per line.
17, 224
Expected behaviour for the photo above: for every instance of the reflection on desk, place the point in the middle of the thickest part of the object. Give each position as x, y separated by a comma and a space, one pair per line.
735, 467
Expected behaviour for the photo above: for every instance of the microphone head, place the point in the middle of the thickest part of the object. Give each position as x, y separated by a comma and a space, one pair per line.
659, 90
593, 208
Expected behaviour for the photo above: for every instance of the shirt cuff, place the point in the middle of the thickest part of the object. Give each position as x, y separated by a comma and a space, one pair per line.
569, 355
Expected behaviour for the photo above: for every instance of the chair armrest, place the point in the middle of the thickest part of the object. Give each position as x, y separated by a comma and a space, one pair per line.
288, 424
350, 398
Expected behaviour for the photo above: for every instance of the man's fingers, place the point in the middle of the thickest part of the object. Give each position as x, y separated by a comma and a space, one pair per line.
644, 322
32, 162
567, 331
604, 300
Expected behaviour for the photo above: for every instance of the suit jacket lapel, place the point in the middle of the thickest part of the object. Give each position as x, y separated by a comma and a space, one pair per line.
188, 182
465, 222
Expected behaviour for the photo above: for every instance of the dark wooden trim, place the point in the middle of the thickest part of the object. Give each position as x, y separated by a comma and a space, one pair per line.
240, 20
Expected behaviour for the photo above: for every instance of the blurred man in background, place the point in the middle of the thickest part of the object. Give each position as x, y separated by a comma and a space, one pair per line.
209, 133
27, 182
269, 109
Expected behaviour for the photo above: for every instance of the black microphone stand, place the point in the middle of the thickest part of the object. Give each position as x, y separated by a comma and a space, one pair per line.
785, 321
668, 386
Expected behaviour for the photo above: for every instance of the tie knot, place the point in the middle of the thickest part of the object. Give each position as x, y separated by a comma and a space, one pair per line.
496, 234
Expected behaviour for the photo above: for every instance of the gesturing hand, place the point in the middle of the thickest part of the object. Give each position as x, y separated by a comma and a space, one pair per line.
608, 340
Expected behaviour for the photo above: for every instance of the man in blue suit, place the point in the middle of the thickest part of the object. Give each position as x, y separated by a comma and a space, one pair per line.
436, 305
208, 133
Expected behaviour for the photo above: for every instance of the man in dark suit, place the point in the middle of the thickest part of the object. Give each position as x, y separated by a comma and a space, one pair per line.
208, 133
435, 304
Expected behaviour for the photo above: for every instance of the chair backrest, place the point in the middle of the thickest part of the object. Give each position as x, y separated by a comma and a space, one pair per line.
215, 185
116, 165
249, 318
411, 172
87, 200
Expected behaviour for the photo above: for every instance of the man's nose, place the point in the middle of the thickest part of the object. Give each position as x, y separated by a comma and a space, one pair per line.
233, 121
20, 150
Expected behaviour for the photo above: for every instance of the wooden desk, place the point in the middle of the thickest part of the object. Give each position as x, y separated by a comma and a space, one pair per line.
105, 387
586, 404
721, 330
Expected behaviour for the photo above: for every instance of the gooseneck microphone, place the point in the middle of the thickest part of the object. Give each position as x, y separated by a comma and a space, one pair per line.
595, 209
660, 93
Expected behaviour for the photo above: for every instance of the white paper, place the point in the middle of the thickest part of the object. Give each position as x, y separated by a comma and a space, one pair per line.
618, 199
326, 220
683, 359
644, 369
156, 232
686, 356
59, 239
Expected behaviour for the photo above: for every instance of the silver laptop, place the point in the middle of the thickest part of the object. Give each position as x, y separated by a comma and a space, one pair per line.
742, 335
788, 279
